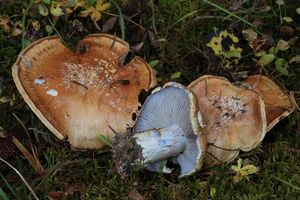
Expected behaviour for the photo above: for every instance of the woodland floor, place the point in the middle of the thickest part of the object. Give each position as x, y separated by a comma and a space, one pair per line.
172, 36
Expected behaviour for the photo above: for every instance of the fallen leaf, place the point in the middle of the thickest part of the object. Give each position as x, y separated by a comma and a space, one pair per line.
213, 192
249, 34
109, 24
279, 64
288, 19
43, 10
282, 45
36, 25
295, 59
175, 75
243, 172
4, 20
135, 195
279, 2
287, 31
266, 59
298, 10
56, 11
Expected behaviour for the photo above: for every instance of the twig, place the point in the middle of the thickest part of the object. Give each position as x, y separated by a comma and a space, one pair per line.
23, 179
52, 25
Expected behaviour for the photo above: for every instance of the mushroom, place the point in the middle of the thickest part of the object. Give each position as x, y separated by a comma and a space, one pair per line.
80, 95
234, 118
168, 127
278, 104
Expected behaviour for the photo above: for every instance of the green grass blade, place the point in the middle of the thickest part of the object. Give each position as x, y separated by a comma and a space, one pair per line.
24, 41
183, 17
228, 12
121, 19
105, 140
8, 185
285, 182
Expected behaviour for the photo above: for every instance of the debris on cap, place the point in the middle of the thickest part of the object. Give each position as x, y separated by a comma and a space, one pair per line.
78, 95
234, 118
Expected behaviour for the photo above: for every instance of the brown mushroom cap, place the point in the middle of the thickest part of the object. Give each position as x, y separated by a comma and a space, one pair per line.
278, 103
79, 95
234, 118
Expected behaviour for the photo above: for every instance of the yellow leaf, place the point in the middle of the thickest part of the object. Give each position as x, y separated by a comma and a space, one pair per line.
4, 20
96, 15
215, 45
213, 192
86, 12
2, 133
102, 6
243, 172
36, 25
79, 3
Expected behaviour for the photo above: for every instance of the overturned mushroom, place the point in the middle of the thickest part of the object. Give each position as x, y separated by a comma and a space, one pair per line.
79, 95
234, 118
278, 104
168, 127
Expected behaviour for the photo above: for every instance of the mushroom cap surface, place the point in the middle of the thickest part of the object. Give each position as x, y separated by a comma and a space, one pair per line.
175, 104
234, 118
278, 103
78, 95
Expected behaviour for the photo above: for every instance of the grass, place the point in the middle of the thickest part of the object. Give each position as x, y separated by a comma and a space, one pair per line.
183, 28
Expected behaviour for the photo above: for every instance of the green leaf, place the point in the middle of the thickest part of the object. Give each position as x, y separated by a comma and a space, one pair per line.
49, 29
279, 63
232, 54
266, 59
25, 43
105, 140
153, 63
272, 50
213, 192
175, 75
46, 1
282, 45
43, 10
56, 11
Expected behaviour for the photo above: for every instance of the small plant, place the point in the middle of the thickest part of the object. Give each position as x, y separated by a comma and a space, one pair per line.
243, 172
225, 46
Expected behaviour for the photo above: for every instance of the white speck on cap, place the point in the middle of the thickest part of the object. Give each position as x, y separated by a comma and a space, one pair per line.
52, 92
39, 81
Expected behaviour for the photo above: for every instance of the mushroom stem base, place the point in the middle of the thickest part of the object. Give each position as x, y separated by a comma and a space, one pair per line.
160, 144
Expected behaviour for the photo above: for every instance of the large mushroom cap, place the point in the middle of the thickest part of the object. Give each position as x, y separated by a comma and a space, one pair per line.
233, 117
79, 95
278, 103
175, 105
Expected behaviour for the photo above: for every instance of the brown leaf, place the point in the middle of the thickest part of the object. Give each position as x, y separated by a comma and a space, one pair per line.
287, 31
109, 24
135, 195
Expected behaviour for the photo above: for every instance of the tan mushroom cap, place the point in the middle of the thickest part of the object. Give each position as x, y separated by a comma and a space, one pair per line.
234, 118
278, 103
79, 95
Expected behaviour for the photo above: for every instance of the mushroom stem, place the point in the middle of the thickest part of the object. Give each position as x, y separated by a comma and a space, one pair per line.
159, 144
